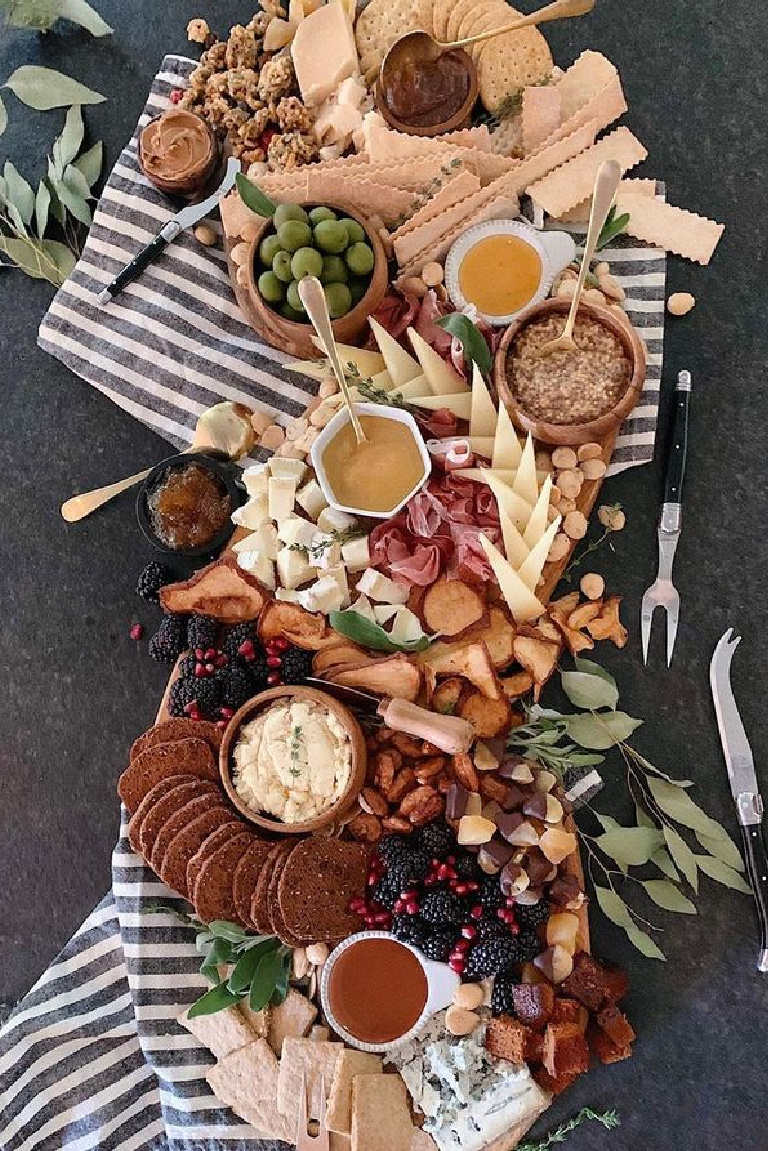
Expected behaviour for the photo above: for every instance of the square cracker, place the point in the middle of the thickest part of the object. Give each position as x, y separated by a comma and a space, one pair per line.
318, 1059
573, 182
246, 1081
223, 1032
685, 233
381, 1118
422, 1141
540, 115
291, 1019
350, 1064
258, 1021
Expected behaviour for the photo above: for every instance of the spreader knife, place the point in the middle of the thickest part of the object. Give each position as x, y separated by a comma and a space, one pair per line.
743, 781
180, 222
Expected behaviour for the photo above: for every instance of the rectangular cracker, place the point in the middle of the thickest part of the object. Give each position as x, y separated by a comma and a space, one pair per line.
415, 173
290, 1019
246, 1081
685, 233
385, 143
381, 1118
221, 1033
258, 1021
580, 213
500, 207
319, 1059
606, 106
507, 139
540, 115
411, 243
350, 1064
485, 163
587, 76
550, 157
422, 1141
573, 182
367, 196
457, 188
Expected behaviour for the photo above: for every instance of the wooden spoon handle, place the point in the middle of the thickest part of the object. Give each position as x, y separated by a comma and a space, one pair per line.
81, 506
558, 10
313, 298
603, 195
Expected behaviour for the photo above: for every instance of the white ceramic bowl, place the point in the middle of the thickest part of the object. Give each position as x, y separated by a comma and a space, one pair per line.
330, 430
556, 250
442, 983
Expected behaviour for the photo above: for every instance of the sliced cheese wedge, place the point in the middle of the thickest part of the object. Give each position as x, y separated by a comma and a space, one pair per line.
419, 386
398, 363
443, 379
525, 483
520, 599
482, 446
515, 547
508, 500
507, 451
459, 405
530, 571
480, 474
537, 524
482, 421
382, 380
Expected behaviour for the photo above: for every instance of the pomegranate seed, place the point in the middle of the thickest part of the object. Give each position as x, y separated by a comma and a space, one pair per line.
209, 653
357, 904
273, 679
435, 862
468, 931
199, 653
209, 669
430, 881
470, 885
221, 724
175, 95
274, 661
456, 964
226, 712
412, 907
477, 911
136, 632
381, 917
461, 945
451, 859
409, 893
511, 903
221, 661
246, 648
281, 643
199, 671
399, 907
191, 709
443, 871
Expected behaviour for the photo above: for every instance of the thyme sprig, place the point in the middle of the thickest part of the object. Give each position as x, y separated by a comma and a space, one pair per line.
607, 1119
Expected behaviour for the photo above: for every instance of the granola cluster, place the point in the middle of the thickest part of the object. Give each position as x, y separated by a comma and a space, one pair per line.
249, 94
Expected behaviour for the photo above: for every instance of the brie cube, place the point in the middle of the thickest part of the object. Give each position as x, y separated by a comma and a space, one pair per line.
264, 539
333, 520
255, 479
325, 551
311, 499
339, 574
381, 588
285, 468
295, 530
253, 514
383, 612
293, 568
326, 595
355, 554
282, 494
287, 595
364, 607
406, 627
258, 565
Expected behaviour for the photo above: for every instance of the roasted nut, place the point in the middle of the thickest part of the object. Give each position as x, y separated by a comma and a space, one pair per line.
493, 788
565, 506
249, 232
272, 437
612, 518
680, 303
564, 458
592, 585
602, 269
299, 963
239, 254
377, 804
260, 421
458, 1021
385, 766
432, 274
430, 767
575, 525
593, 296
365, 828
566, 289
327, 388
464, 771
414, 286
205, 234
570, 482
404, 781
611, 287
296, 428
469, 996
317, 953
406, 744
593, 469
559, 548
198, 31
421, 805
241, 275
397, 824
589, 452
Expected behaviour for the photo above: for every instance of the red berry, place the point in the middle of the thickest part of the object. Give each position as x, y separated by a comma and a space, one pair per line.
190, 708
221, 724
266, 138
468, 931
246, 649
199, 671
412, 907
209, 653
470, 885
274, 661
199, 653
381, 917
221, 661
456, 964
281, 643
227, 712
477, 911
461, 945
430, 881
136, 632
451, 859
176, 94
273, 679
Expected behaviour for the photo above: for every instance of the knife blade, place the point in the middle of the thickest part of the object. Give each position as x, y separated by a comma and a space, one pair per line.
175, 226
742, 779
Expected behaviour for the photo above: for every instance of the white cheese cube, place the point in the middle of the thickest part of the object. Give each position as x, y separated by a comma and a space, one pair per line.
260, 566
383, 612
287, 595
381, 588
339, 574
311, 499
333, 520
282, 494
255, 479
285, 468
364, 607
355, 554
325, 552
293, 568
264, 539
295, 530
253, 514
406, 626
324, 595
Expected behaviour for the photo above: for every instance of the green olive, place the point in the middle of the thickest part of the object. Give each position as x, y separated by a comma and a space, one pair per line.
317, 215
294, 234
331, 236
334, 271
306, 262
285, 212
358, 287
270, 288
281, 266
355, 231
289, 313
268, 249
293, 297
360, 259
339, 300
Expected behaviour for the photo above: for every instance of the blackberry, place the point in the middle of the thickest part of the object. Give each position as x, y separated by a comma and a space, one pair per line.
533, 915
203, 692
528, 946
441, 907
187, 666
490, 895
437, 839
393, 847
234, 686
236, 636
409, 929
296, 665
150, 581
438, 944
491, 929
410, 868
170, 639
466, 867
257, 671
501, 994
491, 957
202, 631
183, 693
387, 891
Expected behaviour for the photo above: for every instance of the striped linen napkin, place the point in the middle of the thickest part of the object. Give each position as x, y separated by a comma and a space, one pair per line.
174, 342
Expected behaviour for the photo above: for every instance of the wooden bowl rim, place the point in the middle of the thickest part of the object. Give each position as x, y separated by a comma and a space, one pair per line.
359, 757
451, 124
281, 327
591, 430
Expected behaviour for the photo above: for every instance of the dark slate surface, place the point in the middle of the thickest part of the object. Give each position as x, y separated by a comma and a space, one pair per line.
76, 690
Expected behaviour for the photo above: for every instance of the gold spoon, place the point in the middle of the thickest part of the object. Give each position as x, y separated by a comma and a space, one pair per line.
224, 428
603, 195
312, 297
416, 46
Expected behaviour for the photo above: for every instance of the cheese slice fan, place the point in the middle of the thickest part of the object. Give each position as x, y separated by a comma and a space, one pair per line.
459, 405
515, 547
443, 380
481, 446
520, 600
530, 571
513, 504
367, 363
537, 524
398, 363
482, 421
525, 483
415, 387
507, 451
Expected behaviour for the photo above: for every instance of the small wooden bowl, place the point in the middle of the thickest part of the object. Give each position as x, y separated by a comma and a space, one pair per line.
294, 337
356, 780
460, 119
592, 430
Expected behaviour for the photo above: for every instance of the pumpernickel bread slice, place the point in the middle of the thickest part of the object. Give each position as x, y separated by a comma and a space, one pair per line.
208, 796
246, 875
164, 808
320, 877
184, 845
221, 835
260, 910
182, 757
212, 893
161, 788
174, 729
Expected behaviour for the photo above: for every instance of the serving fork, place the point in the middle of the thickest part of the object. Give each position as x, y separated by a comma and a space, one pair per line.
662, 592
320, 1141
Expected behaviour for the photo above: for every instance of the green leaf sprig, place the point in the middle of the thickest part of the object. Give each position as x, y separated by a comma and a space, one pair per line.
607, 1119
473, 343
41, 15
259, 965
253, 197
664, 809
364, 631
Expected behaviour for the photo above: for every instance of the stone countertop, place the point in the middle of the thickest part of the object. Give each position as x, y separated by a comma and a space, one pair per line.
76, 690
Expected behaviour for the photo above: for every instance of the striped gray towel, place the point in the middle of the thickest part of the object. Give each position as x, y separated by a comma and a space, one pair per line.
174, 342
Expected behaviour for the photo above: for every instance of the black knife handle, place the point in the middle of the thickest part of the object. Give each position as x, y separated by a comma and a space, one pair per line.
757, 870
678, 445
137, 265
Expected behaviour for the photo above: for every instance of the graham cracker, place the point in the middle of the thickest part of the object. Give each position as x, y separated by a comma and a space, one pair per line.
540, 115
350, 1064
685, 233
223, 1032
300, 1055
246, 1080
580, 213
573, 182
457, 188
381, 1118
290, 1019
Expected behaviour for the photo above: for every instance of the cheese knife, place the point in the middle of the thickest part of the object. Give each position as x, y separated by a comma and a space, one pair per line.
743, 781
175, 226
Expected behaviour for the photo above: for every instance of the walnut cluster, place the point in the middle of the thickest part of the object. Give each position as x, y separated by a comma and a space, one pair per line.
250, 96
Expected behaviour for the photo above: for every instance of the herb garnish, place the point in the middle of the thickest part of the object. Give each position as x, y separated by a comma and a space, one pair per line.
374, 395
364, 631
337, 536
426, 194
473, 343
253, 197
295, 750
607, 1119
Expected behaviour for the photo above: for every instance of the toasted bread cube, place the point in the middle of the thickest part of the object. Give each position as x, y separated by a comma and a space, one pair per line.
548, 1082
615, 1025
507, 1038
587, 982
569, 1011
533, 1004
617, 981
565, 1050
604, 1048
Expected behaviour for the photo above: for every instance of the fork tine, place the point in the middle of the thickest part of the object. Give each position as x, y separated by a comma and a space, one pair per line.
673, 615
646, 616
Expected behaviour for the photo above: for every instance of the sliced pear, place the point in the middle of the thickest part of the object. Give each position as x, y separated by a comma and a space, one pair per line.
520, 600
507, 451
530, 571
483, 413
398, 363
443, 379
525, 483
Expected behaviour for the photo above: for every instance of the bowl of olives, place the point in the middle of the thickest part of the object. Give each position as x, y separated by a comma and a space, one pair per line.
330, 241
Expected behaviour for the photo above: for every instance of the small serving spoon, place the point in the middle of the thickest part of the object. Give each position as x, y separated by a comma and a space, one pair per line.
312, 297
415, 46
224, 428
603, 195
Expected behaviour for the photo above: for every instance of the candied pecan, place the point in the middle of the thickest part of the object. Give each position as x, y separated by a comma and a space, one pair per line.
216, 108
404, 782
234, 120
407, 744
492, 788
427, 769
443, 784
253, 128
386, 764
375, 800
431, 808
291, 115
258, 24
200, 75
241, 82
365, 828
464, 771
291, 150
397, 823
215, 57
241, 48
276, 78
198, 31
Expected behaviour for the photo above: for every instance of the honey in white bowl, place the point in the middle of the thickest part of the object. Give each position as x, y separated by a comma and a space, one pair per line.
379, 473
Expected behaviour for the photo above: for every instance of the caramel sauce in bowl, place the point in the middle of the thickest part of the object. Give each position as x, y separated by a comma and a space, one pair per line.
377, 992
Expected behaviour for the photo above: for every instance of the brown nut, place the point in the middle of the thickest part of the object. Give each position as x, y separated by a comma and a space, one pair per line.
564, 458
469, 996
680, 303
414, 286
432, 274
559, 548
589, 452
206, 235
458, 1021
272, 437
365, 828
575, 525
464, 771
403, 782
593, 469
592, 585
375, 801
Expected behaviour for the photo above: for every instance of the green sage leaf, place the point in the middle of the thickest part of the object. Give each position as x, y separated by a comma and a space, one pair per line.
643, 818
724, 849
364, 631
716, 869
265, 979
282, 982
676, 803
19, 193
3, 117
217, 999
667, 895
589, 667
644, 944
682, 855
253, 197
598, 732
66, 147
73, 202
613, 907
83, 14
223, 929
89, 164
219, 954
76, 182
41, 259
244, 970
37, 14
42, 205
661, 859
45, 88
612, 227
590, 692
473, 343
630, 845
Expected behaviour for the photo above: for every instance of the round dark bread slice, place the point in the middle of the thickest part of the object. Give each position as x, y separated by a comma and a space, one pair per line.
260, 911
245, 877
207, 796
278, 922
183, 757
164, 808
173, 865
150, 799
223, 832
317, 883
174, 729
212, 894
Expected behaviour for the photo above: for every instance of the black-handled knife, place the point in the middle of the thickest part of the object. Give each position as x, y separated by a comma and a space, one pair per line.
743, 781
678, 445
180, 222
